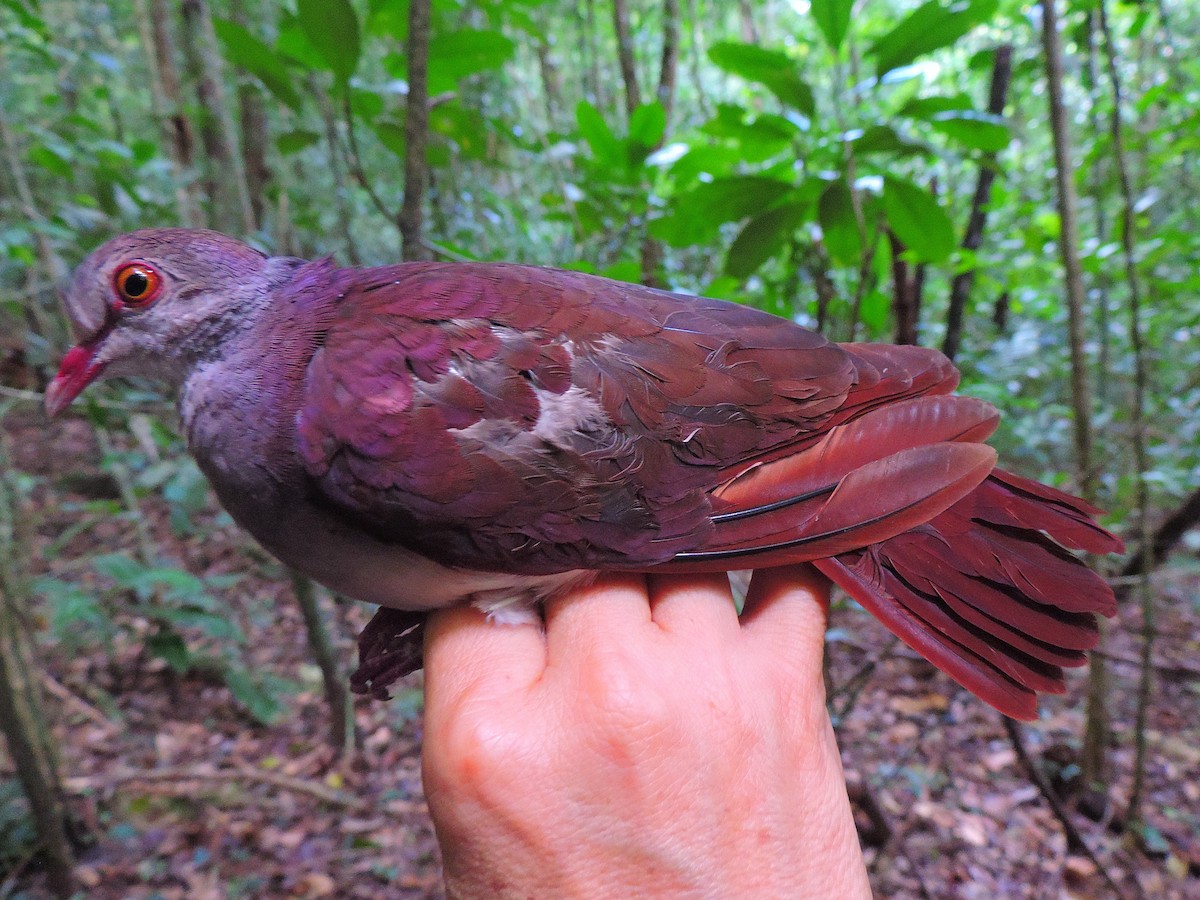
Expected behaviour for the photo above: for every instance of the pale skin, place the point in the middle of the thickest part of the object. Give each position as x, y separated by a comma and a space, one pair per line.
647, 742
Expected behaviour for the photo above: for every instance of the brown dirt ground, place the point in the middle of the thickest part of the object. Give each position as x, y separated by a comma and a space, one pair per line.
230, 808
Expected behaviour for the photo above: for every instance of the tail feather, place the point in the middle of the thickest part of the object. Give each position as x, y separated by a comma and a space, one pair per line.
844, 448
989, 604
974, 673
997, 605
874, 502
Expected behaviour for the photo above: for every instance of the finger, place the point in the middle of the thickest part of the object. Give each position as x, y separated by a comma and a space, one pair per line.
789, 606
614, 609
466, 652
699, 605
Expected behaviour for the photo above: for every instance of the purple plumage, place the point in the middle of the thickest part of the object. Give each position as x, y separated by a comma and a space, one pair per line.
426, 434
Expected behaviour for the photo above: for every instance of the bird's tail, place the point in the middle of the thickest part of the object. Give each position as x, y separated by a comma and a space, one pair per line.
902, 508
987, 590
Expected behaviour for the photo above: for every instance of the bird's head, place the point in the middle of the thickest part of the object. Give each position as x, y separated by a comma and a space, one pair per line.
153, 303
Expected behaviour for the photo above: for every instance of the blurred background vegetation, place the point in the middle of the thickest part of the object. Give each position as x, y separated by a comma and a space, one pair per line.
881, 170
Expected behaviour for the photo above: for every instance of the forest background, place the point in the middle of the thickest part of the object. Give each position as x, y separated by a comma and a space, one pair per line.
1012, 182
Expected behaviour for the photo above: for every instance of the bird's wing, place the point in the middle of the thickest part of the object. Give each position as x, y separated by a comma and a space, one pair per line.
531, 420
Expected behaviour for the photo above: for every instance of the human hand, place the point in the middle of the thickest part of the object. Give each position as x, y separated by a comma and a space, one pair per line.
646, 742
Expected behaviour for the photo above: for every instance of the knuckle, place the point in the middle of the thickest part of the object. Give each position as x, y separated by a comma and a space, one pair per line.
620, 696
469, 752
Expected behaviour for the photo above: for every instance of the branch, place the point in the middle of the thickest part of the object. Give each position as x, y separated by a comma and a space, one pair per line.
1075, 841
1164, 539
1141, 383
178, 778
416, 131
960, 288
356, 166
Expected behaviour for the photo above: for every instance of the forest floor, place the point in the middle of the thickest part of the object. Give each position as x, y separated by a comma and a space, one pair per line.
180, 793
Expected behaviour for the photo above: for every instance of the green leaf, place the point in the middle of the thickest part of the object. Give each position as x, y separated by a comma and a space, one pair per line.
606, 147
772, 68
74, 611
885, 139
927, 107
464, 126
874, 311
52, 160
294, 141
125, 572
759, 138
929, 27
250, 54
699, 213
260, 702
218, 627
839, 226
647, 126
391, 135
974, 130
833, 18
457, 54
332, 28
293, 45
627, 270
917, 220
367, 105
169, 646
762, 238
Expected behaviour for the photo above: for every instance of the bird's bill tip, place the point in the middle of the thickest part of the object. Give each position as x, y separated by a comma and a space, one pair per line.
78, 369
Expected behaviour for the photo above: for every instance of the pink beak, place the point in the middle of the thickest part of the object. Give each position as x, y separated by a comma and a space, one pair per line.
77, 371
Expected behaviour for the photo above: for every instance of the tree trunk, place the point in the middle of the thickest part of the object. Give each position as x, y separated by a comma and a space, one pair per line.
338, 171
22, 720
669, 67
337, 693
1096, 177
1137, 417
908, 286
594, 81
551, 85
252, 119
633, 93
225, 170
652, 250
746, 16
154, 27
960, 288
1068, 246
1098, 731
416, 133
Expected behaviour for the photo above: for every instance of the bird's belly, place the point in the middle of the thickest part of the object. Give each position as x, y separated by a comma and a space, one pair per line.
360, 566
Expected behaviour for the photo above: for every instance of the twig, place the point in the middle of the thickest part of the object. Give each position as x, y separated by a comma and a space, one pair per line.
14, 873
77, 703
124, 479
35, 397
1075, 841
1166, 668
960, 287
1137, 417
356, 166
177, 777
444, 251
1169, 532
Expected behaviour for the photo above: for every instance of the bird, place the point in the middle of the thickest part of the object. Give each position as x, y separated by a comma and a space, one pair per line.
426, 434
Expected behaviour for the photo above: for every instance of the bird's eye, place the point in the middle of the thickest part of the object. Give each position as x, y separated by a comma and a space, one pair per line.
138, 284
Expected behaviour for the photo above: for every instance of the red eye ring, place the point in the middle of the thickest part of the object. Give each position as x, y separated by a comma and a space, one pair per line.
137, 284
